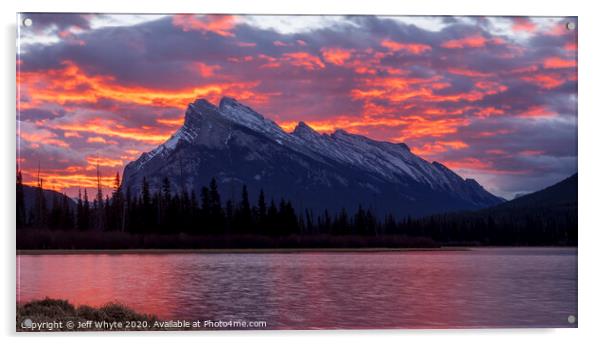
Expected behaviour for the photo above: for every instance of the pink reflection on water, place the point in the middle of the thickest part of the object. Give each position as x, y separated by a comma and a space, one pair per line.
480, 288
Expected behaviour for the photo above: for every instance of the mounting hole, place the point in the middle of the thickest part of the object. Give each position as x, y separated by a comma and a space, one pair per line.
571, 319
570, 26
27, 22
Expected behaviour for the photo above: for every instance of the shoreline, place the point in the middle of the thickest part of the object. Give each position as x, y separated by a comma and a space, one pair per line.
230, 251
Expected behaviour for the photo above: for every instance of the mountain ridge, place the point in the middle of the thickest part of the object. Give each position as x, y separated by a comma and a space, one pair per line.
237, 145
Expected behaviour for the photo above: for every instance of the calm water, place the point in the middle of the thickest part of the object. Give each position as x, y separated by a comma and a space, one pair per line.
479, 288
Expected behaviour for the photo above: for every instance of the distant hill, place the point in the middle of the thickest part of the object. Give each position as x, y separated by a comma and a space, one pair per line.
561, 196
545, 217
30, 197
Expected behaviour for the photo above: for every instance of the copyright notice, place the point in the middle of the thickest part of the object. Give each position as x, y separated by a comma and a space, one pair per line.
89, 325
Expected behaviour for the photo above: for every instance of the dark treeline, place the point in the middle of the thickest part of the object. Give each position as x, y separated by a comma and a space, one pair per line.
167, 212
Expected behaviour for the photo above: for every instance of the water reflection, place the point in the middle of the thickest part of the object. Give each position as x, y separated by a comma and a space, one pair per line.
478, 288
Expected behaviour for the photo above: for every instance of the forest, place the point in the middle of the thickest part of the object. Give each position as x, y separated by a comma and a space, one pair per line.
164, 212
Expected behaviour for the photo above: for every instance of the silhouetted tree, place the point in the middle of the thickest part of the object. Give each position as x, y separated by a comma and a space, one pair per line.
21, 216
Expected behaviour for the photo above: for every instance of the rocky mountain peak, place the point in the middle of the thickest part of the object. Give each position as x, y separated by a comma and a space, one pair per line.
234, 142
302, 129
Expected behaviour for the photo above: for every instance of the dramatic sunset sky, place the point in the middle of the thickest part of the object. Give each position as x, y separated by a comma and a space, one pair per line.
492, 98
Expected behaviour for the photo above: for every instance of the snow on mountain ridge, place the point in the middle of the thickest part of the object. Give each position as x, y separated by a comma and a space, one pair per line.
392, 162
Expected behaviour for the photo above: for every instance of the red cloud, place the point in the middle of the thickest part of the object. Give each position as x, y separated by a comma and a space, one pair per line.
72, 85
439, 146
475, 41
336, 56
538, 111
218, 24
489, 111
546, 81
305, 60
100, 126
420, 127
468, 163
413, 48
556, 62
37, 137
469, 73
523, 24
571, 46
103, 161
207, 70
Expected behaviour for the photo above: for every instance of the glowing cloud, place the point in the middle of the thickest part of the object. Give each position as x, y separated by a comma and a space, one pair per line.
413, 48
336, 56
523, 24
71, 84
475, 41
218, 24
555, 62
303, 59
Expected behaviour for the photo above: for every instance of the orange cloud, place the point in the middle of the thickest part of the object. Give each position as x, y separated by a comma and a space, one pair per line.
171, 122
110, 128
491, 87
546, 81
218, 24
207, 70
419, 127
304, 60
60, 180
70, 84
407, 127
413, 48
71, 135
469, 73
99, 140
437, 147
489, 134
37, 137
538, 111
400, 89
336, 56
489, 111
556, 62
475, 41
103, 161
468, 163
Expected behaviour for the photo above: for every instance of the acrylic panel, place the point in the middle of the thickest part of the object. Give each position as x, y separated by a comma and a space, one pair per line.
222, 172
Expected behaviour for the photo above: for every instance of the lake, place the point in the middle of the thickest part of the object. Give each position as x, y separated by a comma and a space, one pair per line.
482, 287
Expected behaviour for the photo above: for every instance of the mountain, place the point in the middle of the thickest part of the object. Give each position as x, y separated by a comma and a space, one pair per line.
545, 217
561, 196
237, 146
29, 197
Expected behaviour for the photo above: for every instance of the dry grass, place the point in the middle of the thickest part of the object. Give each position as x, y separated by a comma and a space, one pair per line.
56, 310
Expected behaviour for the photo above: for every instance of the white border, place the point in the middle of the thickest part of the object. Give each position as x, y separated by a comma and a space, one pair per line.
590, 167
